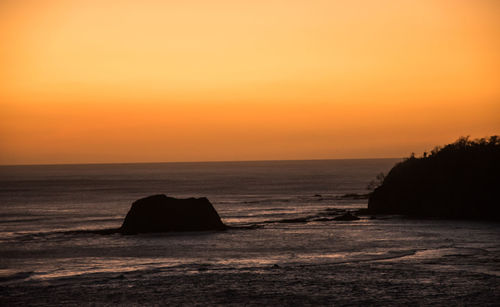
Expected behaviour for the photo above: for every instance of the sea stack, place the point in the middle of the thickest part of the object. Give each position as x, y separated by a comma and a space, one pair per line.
160, 213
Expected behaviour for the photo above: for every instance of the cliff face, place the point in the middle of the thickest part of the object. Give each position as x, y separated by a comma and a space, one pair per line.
460, 180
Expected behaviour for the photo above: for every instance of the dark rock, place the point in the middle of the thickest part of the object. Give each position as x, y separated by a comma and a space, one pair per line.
363, 211
159, 213
458, 181
354, 196
295, 220
332, 211
346, 217
322, 219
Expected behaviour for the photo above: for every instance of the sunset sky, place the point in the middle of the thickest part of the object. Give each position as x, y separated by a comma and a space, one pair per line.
87, 81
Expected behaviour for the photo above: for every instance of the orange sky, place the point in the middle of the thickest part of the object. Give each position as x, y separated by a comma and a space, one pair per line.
128, 81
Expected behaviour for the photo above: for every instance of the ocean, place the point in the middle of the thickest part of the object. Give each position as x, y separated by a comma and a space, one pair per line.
288, 252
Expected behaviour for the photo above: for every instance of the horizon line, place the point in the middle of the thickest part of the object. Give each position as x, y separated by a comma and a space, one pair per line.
182, 162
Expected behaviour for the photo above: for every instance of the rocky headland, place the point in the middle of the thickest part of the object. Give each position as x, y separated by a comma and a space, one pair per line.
458, 181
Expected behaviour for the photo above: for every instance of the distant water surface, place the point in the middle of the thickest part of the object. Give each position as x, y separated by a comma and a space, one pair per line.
295, 255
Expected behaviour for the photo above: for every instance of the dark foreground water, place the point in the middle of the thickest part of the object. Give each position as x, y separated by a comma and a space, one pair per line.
296, 255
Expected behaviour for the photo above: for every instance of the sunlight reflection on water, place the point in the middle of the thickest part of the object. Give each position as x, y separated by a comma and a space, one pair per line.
38, 242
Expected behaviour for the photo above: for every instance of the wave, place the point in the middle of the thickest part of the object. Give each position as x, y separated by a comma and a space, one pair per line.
267, 200
325, 215
16, 276
312, 198
328, 214
22, 220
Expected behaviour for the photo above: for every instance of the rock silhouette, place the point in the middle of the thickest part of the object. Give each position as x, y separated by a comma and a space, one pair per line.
348, 216
160, 213
459, 181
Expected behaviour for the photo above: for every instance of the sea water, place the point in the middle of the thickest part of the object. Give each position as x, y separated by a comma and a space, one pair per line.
288, 251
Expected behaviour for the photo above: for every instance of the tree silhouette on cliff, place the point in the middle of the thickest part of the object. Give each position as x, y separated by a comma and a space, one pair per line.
459, 180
